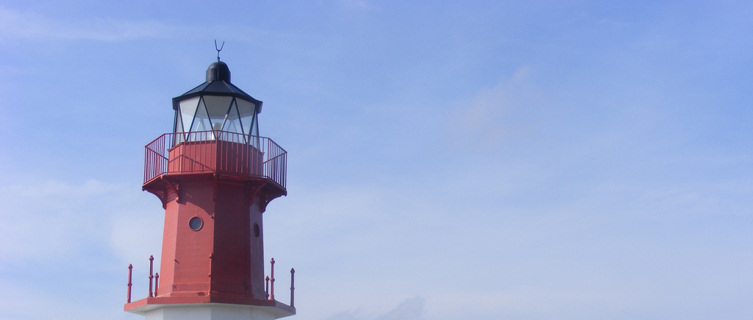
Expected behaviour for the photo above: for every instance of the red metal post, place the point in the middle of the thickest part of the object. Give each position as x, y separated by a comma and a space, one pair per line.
292, 286
151, 274
156, 284
272, 279
266, 286
130, 274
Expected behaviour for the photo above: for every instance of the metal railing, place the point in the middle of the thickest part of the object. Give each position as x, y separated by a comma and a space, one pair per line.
271, 279
154, 280
219, 152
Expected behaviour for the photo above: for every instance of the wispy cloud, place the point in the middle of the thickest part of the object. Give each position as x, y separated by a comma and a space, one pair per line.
51, 218
57, 188
357, 4
32, 26
505, 111
136, 234
408, 309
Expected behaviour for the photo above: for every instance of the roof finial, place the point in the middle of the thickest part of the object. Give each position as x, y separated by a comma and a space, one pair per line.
218, 50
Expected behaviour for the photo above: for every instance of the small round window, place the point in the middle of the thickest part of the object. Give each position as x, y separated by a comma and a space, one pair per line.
195, 223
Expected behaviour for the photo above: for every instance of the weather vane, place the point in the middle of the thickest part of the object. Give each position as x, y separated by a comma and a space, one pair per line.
218, 50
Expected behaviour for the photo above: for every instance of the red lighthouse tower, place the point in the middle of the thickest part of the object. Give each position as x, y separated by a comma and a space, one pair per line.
215, 176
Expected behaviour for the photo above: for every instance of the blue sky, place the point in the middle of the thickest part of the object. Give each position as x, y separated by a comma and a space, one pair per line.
487, 160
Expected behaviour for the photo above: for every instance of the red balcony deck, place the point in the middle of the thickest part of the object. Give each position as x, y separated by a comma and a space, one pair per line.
226, 154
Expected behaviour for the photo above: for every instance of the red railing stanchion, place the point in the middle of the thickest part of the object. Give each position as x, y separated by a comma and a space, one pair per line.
292, 287
130, 274
266, 287
272, 279
151, 275
156, 284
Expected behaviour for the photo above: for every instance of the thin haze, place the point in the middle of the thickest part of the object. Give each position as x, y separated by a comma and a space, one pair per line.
487, 160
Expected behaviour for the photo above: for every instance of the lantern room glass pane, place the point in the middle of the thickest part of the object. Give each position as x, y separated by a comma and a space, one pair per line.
179, 135
188, 110
255, 126
178, 122
217, 108
234, 127
233, 124
247, 111
201, 123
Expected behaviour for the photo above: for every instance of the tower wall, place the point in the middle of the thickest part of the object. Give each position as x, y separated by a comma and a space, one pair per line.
225, 257
185, 265
238, 249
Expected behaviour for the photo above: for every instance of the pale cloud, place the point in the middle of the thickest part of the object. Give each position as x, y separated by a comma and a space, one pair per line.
32, 26
48, 188
22, 302
137, 234
408, 309
345, 315
508, 110
25, 299
530, 302
50, 219
357, 4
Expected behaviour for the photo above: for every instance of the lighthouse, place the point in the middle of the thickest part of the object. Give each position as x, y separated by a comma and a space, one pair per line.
215, 177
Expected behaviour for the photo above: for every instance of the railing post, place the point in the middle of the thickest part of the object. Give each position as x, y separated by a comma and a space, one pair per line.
130, 274
292, 286
156, 284
272, 279
266, 287
151, 274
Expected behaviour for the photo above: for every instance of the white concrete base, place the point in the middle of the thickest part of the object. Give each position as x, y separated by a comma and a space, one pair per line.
208, 311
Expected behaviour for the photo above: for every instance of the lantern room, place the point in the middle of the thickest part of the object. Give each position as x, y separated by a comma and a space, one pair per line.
216, 106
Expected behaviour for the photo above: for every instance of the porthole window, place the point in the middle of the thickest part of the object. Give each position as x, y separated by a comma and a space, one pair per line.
256, 230
195, 223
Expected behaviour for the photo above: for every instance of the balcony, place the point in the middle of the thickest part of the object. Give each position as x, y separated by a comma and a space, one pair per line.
224, 154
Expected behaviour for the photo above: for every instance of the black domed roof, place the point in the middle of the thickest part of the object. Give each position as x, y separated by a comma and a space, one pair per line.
218, 71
